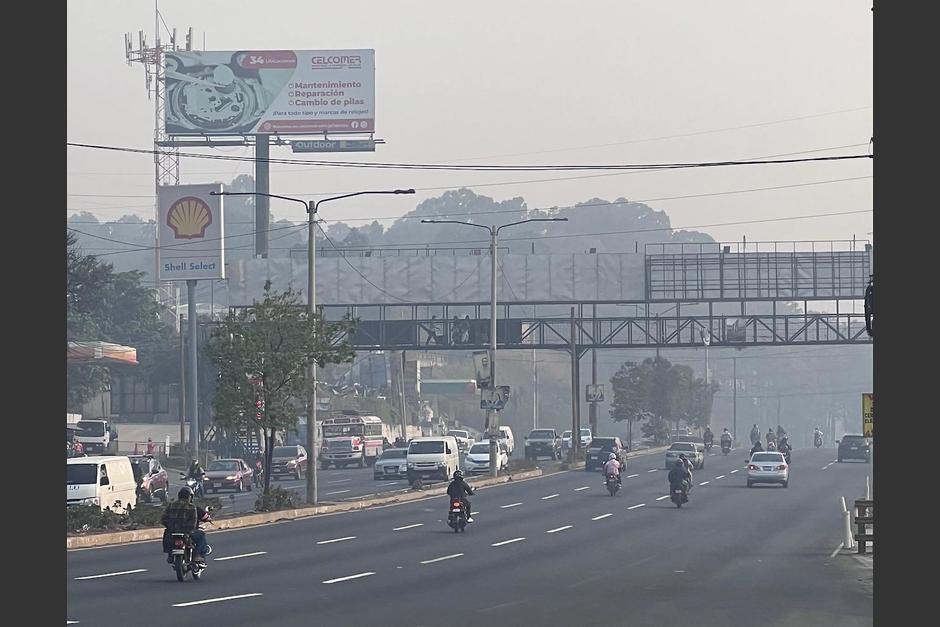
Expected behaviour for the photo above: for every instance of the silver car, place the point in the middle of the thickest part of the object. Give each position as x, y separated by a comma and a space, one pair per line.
691, 452
391, 464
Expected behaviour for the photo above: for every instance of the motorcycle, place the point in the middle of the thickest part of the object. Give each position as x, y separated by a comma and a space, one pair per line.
195, 485
708, 446
183, 557
725, 447
612, 484
678, 496
457, 518
817, 441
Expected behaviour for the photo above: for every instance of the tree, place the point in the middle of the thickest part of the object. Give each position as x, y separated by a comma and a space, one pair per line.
262, 354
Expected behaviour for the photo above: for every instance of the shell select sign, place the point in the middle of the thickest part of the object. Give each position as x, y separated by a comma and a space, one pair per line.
191, 236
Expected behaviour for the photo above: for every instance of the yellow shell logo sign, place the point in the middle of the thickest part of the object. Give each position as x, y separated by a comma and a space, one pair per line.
189, 217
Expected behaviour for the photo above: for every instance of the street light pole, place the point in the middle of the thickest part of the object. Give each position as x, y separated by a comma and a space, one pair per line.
492, 416
311, 208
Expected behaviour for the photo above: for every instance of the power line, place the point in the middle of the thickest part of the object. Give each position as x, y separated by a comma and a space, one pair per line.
483, 168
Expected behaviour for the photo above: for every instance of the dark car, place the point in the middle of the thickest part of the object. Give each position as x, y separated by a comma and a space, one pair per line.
228, 474
151, 477
854, 447
542, 443
600, 450
288, 460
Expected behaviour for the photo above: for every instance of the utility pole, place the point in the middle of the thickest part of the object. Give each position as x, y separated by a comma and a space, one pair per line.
262, 200
312, 452
401, 397
575, 396
734, 400
592, 407
193, 393
535, 392
182, 394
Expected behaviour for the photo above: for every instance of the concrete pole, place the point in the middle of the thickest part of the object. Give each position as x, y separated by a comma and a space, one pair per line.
492, 417
401, 397
592, 407
734, 400
262, 202
312, 452
193, 392
535, 392
182, 395
575, 397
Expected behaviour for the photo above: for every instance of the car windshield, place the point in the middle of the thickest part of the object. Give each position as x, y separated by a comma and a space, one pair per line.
767, 457
426, 447
93, 429
333, 431
566, 434
542, 433
458, 434
682, 446
603, 443
478, 449
81, 474
221, 464
853, 439
397, 453
585, 432
285, 451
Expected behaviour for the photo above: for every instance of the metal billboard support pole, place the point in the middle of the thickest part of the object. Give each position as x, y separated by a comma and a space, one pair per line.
182, 393
575, 396
193, 393
262, 200
492, 417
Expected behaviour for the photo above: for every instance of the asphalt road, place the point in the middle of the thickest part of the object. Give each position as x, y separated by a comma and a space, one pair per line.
551, 550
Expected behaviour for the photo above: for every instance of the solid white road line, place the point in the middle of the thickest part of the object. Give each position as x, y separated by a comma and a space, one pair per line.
705, 483
217, 599
336, 540
235, 557
441, 559
123, 572
408, 527
339, 579
632, 476
550, 496
510, 505
340, 481
636, 506
602, 516
586, 487
734, 471
507, 542
719, 477
338, 492
559, 529
662, 497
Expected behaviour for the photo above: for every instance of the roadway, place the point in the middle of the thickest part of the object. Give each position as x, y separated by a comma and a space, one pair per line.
550, 550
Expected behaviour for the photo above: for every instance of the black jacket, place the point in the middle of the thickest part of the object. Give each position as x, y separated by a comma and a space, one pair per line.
457, 489
678, 475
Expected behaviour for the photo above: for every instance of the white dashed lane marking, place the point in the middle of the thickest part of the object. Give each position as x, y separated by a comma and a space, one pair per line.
602, 516
507, 542
218, 599
336, 540
350, 577
510, 505
235, 557
632, 476
636, 506
441, 559
550, 496
408, 527
123, 572
559, 529
586, 487
662, 497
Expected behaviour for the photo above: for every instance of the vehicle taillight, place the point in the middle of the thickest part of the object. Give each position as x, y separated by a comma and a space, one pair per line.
752, 467
782, 467
455, 503
178, 543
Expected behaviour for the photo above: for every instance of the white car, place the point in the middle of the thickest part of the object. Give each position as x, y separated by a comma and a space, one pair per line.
586, 438
478, 458
464, 441
768, 467
691, 452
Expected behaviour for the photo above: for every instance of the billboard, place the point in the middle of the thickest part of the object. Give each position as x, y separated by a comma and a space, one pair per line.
192, 238
868, 415
250, 92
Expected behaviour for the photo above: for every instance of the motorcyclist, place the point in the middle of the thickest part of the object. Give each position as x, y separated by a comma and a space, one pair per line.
817, 436
726, 438
613, 467
708, 437
771, 436
680, 476
183, 516
460, 489
780, 432
784, 446
756, 448
258, 468
755, 434
772, 445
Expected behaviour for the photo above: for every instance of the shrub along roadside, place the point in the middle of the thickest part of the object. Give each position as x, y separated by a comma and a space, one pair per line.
276, 499
90, 518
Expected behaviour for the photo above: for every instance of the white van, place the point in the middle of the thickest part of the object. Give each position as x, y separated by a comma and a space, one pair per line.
105, 481
505, 436
432, 458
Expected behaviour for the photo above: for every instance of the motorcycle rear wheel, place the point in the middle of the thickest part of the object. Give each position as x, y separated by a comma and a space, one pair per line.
179, 567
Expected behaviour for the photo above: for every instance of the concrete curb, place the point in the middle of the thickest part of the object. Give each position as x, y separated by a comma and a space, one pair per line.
251, 520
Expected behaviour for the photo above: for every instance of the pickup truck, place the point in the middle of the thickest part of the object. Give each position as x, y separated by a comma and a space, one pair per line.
542, 443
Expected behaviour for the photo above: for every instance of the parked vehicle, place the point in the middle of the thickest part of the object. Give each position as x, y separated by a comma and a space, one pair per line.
542, 443
229, 474
506, 437
464, 441
104, 481
97, 436
391, 464
600, 450
586, 438
351, 438
854, 447
151, 477
457, 516
768, 467
288, 460
477, 460
432, 458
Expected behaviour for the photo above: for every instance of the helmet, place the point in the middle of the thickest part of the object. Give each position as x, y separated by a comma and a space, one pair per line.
185, 493
612, 456
458, 474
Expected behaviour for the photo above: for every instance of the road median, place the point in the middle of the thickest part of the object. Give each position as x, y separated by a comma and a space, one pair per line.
251, 520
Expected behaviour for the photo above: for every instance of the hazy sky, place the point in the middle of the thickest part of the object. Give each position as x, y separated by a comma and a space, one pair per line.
482, 82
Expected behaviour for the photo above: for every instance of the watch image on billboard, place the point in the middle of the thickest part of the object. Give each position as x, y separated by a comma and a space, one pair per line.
271, 91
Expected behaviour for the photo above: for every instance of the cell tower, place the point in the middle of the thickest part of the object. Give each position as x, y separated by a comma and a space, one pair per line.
166, 159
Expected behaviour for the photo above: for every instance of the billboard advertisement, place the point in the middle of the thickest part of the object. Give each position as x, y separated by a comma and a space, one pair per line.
250, 92
868, 415
192, 238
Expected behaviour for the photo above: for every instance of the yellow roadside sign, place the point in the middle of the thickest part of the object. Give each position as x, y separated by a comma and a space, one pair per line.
868, 415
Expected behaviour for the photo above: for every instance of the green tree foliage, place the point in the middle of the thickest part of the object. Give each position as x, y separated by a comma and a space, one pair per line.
262, 354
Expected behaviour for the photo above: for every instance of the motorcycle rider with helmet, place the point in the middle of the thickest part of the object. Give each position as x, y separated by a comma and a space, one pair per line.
680, 476
771, 436
613, 467
183, 516
756, 448
817, 437
460, 489
726, 438
708, 437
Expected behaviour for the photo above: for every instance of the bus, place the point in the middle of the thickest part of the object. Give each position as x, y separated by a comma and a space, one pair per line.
350, 438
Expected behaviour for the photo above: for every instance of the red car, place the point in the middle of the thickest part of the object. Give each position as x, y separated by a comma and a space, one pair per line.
151, 477
228, 474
